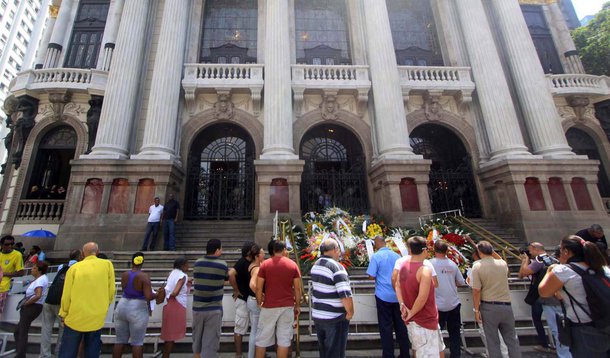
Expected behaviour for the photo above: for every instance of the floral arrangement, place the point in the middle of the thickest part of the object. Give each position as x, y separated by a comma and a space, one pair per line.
460, 251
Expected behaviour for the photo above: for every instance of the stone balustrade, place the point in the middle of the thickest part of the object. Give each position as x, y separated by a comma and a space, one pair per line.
579, 84
212, 77
456, 81
330, 79
36, 82
40, 211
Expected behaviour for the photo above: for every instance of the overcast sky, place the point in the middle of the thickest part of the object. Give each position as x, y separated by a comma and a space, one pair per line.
587, 7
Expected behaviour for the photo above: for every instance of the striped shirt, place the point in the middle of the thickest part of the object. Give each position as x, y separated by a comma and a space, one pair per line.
209, 276
330, 285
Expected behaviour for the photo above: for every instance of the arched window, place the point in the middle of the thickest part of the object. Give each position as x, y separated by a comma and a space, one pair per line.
322, 36
414, 33
229, 31
583, 144
52, 163
543, 39
87, 34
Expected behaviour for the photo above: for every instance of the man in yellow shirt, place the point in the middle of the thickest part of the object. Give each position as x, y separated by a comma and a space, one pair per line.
11, 262
88, 291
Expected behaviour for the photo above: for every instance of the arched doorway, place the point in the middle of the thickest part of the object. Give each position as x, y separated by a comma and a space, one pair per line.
220, 182
583, 144
451, 183
334, 173
51, 170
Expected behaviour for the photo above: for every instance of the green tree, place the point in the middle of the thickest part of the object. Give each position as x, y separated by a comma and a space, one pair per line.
593, 43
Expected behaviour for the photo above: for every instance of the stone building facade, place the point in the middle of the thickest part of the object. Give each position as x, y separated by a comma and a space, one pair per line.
244, 108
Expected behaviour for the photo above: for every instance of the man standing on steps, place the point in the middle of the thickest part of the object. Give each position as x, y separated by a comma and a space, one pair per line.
388, 311
11, 262
491, 301
209, 276
170, 218
155, 216
239, 278
333, 306
280, 304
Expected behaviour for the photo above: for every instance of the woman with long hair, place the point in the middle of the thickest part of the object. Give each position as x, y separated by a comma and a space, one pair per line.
565, 283
173, 326
132, 312
256, 256
31, 307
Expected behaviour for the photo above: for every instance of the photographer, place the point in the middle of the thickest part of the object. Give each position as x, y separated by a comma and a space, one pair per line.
534, 263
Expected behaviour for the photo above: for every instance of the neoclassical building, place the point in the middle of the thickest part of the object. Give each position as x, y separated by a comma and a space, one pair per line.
242, 108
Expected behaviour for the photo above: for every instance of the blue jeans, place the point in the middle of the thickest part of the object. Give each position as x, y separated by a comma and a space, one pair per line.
71, 340
549, 315
389, 319
169, 235
151, 228
332, 338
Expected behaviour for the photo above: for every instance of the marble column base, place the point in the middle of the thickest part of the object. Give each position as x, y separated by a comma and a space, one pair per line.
505, 195
266, 172
386, 176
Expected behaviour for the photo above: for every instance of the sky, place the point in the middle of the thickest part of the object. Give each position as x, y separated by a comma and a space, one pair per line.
587, 7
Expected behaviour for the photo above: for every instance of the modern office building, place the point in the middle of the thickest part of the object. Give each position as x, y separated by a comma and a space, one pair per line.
247, 108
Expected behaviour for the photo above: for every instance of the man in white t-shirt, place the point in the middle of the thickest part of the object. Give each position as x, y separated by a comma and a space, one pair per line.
155, 216
402, 260
447, 299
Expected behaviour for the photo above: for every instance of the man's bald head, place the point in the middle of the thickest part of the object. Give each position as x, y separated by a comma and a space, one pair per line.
90, 248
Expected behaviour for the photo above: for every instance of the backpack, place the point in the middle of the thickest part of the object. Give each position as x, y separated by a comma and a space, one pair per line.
597, 289
532, 295
57, 287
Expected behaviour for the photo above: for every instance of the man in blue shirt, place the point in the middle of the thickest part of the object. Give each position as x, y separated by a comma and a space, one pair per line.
388, 311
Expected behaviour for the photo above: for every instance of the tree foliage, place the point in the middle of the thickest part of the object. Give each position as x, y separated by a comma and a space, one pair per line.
593, 43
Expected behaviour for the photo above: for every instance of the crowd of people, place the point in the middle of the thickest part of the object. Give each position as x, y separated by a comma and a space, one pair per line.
55, 192
415, 296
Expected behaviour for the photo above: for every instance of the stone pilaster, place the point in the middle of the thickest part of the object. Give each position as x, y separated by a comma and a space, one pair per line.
531, 85
110, 32
390, 118
119, 107
278, 89
500, 118
46, 39
162, 115
60, 29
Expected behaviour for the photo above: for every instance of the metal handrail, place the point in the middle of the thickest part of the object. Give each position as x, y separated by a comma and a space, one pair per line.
495, 240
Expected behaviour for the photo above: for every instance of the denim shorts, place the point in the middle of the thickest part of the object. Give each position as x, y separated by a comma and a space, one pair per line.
130, 321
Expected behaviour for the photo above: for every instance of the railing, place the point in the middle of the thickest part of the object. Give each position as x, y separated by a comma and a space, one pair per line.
435, 74
578, 83
40, 210
505, 247
443, 214
212, 71
66, 75
329, 73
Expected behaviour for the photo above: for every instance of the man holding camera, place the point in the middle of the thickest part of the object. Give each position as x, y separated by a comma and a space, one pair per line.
534, 263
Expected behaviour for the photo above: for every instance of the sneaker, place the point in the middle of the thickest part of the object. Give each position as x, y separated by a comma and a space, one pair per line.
542, 349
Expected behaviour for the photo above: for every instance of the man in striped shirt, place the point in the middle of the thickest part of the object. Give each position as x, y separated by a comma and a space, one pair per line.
332, 301
210, 274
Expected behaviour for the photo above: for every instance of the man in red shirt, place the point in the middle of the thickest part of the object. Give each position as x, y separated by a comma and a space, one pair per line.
415, 293
280, 303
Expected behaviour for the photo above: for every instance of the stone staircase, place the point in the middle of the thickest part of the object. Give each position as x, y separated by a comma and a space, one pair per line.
192, 235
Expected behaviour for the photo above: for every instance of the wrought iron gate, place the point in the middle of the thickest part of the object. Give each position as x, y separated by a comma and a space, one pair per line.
451, 189
344, 189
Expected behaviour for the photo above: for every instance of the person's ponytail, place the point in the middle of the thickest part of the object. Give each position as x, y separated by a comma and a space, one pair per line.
593, 257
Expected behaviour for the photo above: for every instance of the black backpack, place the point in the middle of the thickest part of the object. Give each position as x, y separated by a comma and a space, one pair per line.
532, 294
57, 287
597, 289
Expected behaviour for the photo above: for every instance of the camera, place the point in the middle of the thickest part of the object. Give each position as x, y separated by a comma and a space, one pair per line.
546, 260
525, 250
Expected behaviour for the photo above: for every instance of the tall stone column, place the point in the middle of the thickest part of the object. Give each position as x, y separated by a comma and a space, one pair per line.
162, 114
390, 117
119, 107
59, 32
278, 90
500, 117
110, 32
46, 39
572, 62
531, 85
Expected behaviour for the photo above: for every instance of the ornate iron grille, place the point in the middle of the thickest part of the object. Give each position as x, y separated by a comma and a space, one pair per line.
221, 181
451, 189
334, 174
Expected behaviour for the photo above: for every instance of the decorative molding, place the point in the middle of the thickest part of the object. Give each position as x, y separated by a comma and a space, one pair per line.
329, 107
59, 100
223, 108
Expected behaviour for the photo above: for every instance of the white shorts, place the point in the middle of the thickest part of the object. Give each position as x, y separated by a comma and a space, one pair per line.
242, 317
425, 342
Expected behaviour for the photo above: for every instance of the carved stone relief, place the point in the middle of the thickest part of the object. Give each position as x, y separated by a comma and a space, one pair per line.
93, 120
224, 107
28, 106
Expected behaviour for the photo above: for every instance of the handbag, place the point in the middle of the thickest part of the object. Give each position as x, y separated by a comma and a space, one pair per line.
160, 296
564, 327
21, 303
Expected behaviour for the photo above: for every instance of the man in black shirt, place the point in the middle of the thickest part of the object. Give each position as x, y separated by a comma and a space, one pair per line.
595, 234
170, 216
239, 278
